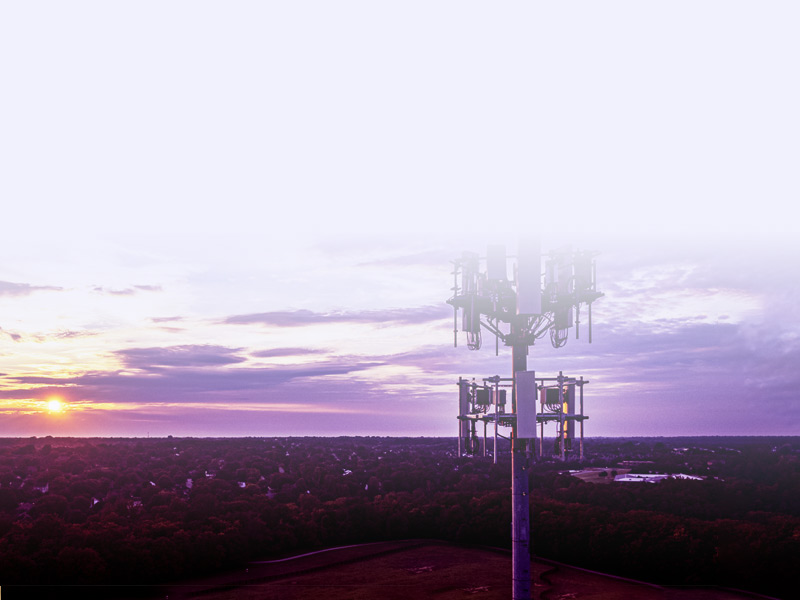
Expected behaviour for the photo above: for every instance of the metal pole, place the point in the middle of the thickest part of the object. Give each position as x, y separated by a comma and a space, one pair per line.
520, 500
460, 422
541, 439
561, 438
581, 417
496, 418
455, 309
590, 322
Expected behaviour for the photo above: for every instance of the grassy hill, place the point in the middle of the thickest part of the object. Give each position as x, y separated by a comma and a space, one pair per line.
419, 569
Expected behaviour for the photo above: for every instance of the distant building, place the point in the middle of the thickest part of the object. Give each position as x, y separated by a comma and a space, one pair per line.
653, 477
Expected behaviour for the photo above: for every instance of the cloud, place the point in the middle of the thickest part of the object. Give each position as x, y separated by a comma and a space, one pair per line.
279, 352
300, 318
435, 258
179, 356
127, 291
8, 288
165, 319
69, 334
64, 334
170, 329
14, 336
319, 382
111, 292
653, 379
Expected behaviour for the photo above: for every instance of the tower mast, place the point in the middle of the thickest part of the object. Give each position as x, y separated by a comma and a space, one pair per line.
519, 311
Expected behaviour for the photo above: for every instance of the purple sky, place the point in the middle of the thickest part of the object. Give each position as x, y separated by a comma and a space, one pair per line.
688, 339
239, 221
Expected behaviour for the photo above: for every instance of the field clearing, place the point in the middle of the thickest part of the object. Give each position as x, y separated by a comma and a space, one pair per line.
421, 569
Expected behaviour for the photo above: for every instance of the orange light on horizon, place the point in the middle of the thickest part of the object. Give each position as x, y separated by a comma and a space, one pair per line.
58, 407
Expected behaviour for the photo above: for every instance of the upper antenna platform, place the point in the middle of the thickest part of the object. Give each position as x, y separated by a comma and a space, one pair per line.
544, 294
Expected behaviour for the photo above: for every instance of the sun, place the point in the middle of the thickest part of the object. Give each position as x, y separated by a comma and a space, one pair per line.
54, 405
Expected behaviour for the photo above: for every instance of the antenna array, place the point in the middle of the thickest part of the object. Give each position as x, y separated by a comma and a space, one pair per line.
543, 295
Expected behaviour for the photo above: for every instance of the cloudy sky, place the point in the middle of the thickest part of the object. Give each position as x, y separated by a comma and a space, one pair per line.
238, 219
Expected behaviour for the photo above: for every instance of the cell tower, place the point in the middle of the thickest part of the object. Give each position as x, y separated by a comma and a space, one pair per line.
545, 295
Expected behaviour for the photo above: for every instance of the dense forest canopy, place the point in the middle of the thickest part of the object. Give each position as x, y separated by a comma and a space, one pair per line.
124, 511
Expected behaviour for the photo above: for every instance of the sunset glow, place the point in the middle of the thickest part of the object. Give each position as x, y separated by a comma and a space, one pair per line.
54, 405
